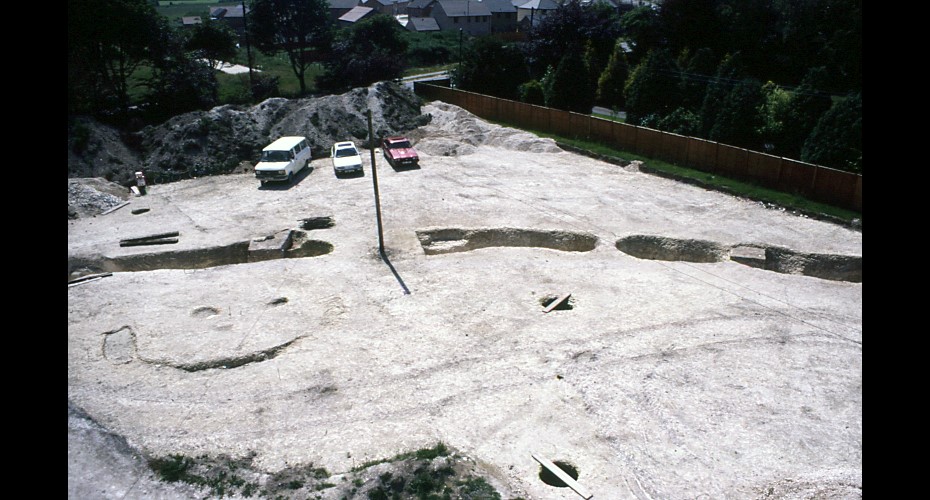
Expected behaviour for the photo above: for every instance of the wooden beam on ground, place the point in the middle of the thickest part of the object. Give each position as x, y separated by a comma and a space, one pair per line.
89, 277
555, 469
153, 237
138, 243
558, 301
117, 207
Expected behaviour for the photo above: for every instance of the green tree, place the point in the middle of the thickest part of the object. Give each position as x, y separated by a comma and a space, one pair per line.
682, 121
299, 28
691, 24
108, 40
180, 81
213, 41
489, 52
836, 140
729, 72
571, 27
612, 80
532, 92
697, 70
807, 104
571, 89
372, 50
738, 120
772, 114
642, 30
652, 88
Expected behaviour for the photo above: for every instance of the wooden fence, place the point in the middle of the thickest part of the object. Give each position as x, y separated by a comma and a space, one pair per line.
826, 185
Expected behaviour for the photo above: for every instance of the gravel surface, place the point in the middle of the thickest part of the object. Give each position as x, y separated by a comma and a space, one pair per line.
674, 369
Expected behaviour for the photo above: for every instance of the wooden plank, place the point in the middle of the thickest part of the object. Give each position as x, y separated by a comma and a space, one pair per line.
88, 277
117, 207
162, 241
151, 237
555, 469
555, 303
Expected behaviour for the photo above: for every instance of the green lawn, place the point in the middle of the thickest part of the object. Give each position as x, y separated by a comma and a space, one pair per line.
177, 9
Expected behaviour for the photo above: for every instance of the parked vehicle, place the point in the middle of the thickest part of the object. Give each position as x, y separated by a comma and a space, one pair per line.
345, 157
282, 159
398, 152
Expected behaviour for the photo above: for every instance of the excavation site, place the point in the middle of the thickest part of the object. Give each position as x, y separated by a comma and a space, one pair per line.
509, 320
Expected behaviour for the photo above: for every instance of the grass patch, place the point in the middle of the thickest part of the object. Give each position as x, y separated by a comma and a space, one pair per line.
175, 10
476, 488
440, 450
215, 475
417, 475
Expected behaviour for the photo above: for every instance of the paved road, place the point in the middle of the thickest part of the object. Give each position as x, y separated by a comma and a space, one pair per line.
607, 111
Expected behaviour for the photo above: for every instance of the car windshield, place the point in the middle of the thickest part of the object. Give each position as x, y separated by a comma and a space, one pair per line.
400, 144
342, 153
276, 156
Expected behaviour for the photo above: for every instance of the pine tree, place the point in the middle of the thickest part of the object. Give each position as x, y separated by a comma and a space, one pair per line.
612, 79
836, 140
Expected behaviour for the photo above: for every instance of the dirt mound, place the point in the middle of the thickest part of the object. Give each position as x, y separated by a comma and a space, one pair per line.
99, 150
218, 141
454, 131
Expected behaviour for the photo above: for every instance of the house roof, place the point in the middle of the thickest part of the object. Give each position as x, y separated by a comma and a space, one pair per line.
500, 5
539, 5
464, 8
384, 2
419, 4
356, 14
422, 24
226, 12
343, 4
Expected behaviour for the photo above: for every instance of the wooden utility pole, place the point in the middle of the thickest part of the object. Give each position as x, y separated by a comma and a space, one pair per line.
374, 179
248, 52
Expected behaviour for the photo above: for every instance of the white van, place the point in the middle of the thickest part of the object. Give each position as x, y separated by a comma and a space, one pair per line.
282, 159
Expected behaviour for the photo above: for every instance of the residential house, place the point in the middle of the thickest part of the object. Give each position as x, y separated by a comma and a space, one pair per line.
355, 15
389, 7
503, 15
189, 21
469, 16
338, 8
422, 24
531, 12
232, 15
420, 8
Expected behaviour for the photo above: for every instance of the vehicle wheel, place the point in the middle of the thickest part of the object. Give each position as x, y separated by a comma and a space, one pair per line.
290, 178
263, 182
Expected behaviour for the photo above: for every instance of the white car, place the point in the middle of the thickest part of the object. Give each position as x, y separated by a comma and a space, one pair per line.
282, 159
345, 157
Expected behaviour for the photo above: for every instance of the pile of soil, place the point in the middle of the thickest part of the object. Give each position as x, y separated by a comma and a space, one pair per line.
229, 138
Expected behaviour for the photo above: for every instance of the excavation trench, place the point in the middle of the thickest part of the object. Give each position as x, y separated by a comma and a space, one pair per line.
770, 258
283, 245
451, 240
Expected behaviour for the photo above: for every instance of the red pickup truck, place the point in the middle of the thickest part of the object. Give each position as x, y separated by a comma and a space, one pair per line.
398, 152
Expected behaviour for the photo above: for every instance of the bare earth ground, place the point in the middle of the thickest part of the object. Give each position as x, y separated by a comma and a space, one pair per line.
677, 373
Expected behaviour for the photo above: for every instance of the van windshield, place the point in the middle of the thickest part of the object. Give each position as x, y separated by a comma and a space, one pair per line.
276, 156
